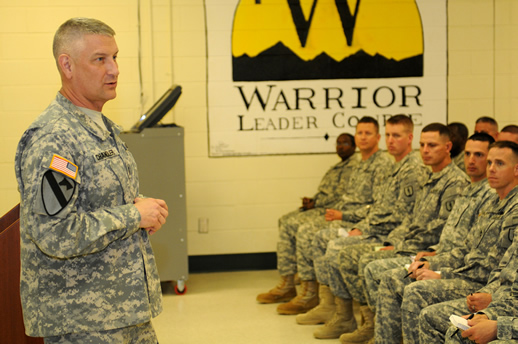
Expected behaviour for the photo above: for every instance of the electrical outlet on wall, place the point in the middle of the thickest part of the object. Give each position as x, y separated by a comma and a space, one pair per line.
203, 225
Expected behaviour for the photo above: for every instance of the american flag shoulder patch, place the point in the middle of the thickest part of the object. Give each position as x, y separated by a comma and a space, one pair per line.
63, 166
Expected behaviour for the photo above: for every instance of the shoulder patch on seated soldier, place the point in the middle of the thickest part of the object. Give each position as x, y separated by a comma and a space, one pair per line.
63, 166
409, 191
449, 205
56, 191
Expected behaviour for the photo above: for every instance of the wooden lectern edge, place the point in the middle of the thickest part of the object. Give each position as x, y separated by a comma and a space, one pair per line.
9, 218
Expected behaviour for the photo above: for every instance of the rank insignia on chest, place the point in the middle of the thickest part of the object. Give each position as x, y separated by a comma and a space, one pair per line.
409, 191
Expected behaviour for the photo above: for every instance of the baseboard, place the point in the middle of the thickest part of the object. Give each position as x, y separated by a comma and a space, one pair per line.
233, 262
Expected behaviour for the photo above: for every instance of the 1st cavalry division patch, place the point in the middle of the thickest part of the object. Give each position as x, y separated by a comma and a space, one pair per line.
58, 185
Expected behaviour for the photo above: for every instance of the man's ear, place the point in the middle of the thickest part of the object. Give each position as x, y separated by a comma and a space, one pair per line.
449, 146
65, 65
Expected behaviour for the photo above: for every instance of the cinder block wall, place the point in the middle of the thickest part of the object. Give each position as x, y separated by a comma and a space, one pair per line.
241, 197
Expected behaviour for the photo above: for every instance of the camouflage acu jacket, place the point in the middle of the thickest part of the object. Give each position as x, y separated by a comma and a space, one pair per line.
462, 217
485, 244
333, 184
395, 200
423, 228
366, 181
86, 266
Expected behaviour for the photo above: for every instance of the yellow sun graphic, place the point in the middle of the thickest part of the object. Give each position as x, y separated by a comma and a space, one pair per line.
390, 28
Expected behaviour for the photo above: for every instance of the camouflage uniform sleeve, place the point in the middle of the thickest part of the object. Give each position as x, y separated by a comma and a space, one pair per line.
75, 230
492, 286
380, 172
363, 225
507, 327
504, 309
383, 221
502, 303
426, 234
488, 253
325, 195
398, 234
334, 184
446, 261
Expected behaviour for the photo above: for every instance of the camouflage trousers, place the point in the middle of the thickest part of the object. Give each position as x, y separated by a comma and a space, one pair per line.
312, 241
453, 337
137, 334
373, 273
320, 230
343, 273
392, 283
327, 267
427, 301
286, 246
353, 274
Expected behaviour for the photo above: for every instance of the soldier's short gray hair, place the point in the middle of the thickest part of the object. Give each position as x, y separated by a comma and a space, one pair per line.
74, 28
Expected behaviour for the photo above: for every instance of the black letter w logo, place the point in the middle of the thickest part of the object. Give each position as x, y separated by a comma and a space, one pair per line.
303, 25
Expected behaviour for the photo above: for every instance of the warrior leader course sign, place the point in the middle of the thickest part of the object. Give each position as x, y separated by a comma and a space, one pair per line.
288, 76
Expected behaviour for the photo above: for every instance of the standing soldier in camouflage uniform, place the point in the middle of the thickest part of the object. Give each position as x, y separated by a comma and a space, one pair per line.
418, 231
388, 285
88, 271
358, 196
503, 174
331, 188
398, 193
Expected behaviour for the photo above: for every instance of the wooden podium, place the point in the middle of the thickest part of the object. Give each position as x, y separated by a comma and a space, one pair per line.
12, 330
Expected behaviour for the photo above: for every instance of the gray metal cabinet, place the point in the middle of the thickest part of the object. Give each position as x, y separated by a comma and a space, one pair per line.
159, 153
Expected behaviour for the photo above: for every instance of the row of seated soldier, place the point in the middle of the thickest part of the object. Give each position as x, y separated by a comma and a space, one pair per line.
394, 243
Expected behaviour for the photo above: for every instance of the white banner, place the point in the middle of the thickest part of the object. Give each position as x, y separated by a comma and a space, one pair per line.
289, 76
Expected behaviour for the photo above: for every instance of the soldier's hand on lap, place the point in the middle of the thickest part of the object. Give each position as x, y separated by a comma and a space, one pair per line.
415, 266
355, 232
478, 301
482, 330
425, 274
422, 254
332, 215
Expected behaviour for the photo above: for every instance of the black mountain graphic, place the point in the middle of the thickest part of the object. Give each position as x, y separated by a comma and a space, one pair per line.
280, 63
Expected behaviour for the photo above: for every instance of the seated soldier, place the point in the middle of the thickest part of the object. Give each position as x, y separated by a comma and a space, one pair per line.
331, 188
509, 133
392, 203
503, 173
487, 125
419, 230
369, 174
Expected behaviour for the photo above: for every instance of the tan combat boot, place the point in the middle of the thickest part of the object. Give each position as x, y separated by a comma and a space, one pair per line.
364, 333
342, 321
302, 303
284, 291
321, 313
